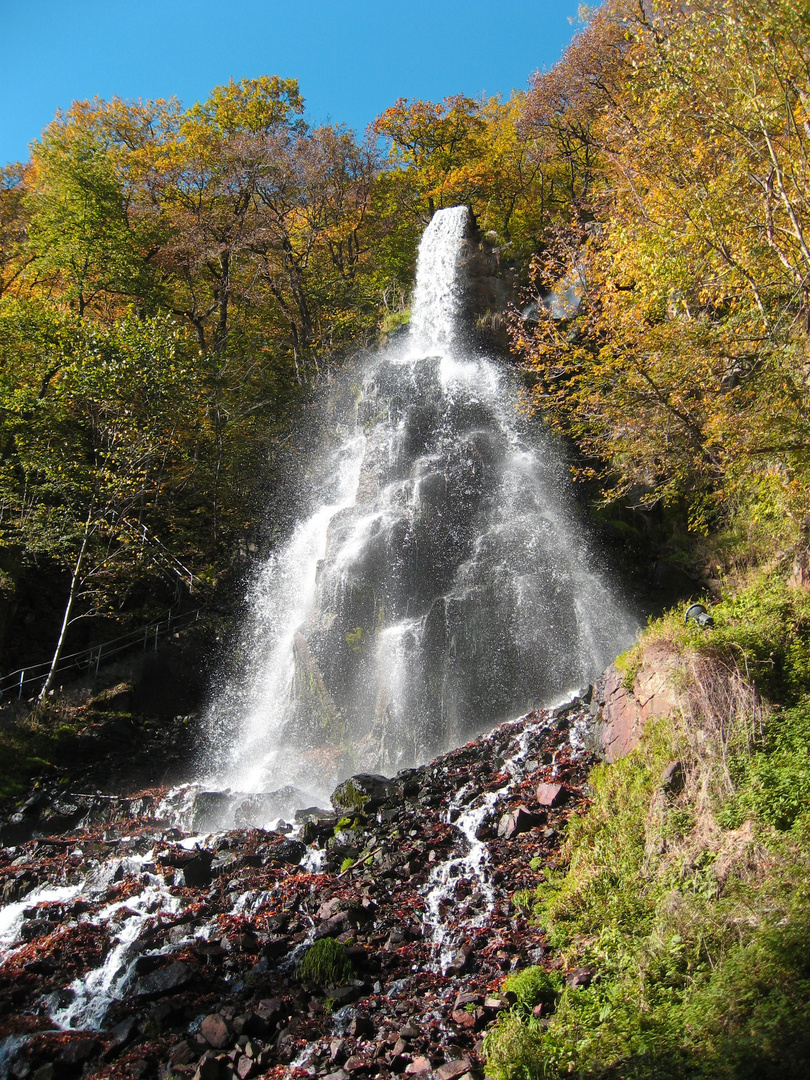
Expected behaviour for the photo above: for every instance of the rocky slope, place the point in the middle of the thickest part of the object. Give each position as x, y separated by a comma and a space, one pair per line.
135, 946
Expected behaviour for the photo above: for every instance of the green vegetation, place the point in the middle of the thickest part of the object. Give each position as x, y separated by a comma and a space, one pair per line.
325, 963
36, 744
691, 903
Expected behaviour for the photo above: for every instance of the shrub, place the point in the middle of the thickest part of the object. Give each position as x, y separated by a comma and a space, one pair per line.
533, 986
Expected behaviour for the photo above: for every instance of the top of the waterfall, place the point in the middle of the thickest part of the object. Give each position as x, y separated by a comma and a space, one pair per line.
437, 294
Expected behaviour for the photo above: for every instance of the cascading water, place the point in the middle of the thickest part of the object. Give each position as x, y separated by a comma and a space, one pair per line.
440, 583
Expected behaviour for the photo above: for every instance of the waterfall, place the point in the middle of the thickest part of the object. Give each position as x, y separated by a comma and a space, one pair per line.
440, 582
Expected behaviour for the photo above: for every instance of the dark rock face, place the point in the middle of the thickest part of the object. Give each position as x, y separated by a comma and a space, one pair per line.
204, 945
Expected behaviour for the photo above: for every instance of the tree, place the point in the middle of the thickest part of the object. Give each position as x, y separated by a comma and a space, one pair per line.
433, 142
92, 420
684, 369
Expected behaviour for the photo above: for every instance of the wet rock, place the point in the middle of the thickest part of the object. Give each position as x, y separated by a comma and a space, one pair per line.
289, 851
364, 792
211, 809
197, 869
164, 981
121, 1036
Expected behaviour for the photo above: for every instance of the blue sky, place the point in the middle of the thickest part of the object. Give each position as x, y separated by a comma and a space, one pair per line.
352, 58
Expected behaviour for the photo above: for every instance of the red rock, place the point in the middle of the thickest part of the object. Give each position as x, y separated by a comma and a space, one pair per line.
356, 1064
462, 1018
245, 1068
550, 794
215, 1031
519, 820
453, 1069
419, 1065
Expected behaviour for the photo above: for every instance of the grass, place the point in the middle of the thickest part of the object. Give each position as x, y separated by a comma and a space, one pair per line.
692, 904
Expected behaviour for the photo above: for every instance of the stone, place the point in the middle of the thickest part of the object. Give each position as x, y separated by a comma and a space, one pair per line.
77, 1051
120, 1036
451, 1070
345, 995
622, 712
459, 961
215, 1031
581, 976
183, 1053
337, 1051
356, 1064
466, 999
164, 981
245, 1068
463, 1019
338, 924
517, 821
364, 791
361, 1027
418, 1066
673, 778
550, 794
209, 1067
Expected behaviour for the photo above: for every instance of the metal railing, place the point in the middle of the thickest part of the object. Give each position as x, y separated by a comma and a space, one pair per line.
89, 660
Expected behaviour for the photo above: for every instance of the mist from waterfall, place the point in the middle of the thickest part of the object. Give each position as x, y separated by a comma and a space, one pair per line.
440, 582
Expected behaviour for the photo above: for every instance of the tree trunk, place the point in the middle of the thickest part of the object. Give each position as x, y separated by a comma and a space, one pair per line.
74, 581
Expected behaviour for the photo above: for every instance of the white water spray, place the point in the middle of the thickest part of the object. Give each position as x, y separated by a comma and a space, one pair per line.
440, 582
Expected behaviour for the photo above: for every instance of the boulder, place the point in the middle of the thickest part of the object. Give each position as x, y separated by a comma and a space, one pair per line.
550, 794
363, 792
215, 1031
519, 820
164, 981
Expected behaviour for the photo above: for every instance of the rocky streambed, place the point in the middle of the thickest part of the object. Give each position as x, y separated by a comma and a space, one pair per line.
366, 939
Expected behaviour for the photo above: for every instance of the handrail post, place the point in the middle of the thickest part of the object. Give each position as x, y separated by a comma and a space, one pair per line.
19, 692
98, 661
157, 628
